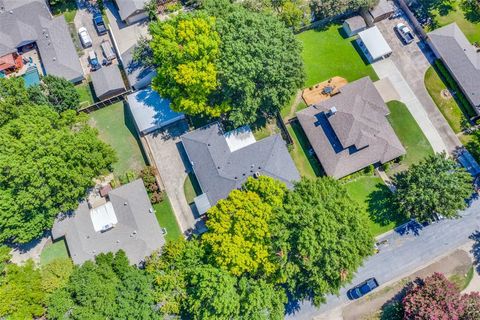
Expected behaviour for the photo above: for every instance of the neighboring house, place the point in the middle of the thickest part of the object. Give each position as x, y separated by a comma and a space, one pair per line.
116, 219
138, 75
132, 11
373, 44
383, 10
350, 131
461, 58
150, 111
107, 82
354, 25
24, 24
222, 161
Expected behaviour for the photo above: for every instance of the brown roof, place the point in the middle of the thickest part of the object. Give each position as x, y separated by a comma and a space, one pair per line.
350, 130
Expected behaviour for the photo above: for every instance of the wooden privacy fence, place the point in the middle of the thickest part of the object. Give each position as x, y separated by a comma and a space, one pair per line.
105, 103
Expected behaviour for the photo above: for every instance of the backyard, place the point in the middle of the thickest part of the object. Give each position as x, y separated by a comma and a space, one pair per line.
373, 194
53, 251
85, 92
116, 128
166, 219
409, 133
306, 162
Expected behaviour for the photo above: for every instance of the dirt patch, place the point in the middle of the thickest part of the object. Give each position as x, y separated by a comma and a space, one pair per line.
446, 94
459, 262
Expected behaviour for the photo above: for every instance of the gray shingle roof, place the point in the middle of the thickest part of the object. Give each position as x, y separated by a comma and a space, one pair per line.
135, 71
128, 7
461, 58
27, 21
356, 135
107, 81
137, 231
355, 23
219, 170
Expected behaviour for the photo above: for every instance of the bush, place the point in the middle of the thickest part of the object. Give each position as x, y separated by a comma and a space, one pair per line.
157, 197
369, 170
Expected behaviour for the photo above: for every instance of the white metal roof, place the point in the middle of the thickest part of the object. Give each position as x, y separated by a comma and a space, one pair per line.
202, 203
375, 43
239, 138
103, 216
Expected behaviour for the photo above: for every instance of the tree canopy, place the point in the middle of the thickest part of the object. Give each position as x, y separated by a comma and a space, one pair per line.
435, 186
321, 237
59, 92
329, 8
47, 162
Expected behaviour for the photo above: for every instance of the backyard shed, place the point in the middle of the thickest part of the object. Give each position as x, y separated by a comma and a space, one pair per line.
382, 10
107, 82
373, 44
354, 25
150, 111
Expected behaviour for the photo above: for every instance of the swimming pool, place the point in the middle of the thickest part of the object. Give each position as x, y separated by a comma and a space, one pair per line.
31, 77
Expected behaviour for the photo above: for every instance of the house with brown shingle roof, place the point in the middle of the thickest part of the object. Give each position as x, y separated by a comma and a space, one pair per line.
350, 131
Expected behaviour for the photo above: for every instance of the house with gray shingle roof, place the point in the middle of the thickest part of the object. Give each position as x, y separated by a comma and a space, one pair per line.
25, 22
350, 131
222, 161
121, 219
132, 11
461, 58
107, 82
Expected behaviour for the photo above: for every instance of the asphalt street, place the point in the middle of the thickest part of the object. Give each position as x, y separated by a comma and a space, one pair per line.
404, 252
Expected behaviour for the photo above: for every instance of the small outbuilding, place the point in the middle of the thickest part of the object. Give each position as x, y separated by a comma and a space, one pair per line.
373, 44
354, 25
107, 82
150, 111
383, 10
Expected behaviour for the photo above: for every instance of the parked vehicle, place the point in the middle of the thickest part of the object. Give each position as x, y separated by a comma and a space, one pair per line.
92, 58
85, 37
99, 24
107, 51
405, 33
362, 289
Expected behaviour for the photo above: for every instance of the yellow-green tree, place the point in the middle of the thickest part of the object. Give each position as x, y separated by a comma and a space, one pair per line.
185, 49
238, 240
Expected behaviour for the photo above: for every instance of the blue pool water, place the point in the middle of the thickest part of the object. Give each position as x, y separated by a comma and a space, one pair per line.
31, 77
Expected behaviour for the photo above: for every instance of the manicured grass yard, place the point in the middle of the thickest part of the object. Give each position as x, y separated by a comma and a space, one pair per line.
116, 128
449, 107
191, 187
409, 133
53, 251
66, 7
166, 219
306, 164
470, 25
326, 54
371, 192
86, 94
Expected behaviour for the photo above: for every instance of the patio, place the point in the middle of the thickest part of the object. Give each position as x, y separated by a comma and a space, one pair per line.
323, 90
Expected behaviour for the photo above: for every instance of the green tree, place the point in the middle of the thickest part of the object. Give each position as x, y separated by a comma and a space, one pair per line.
260, 300
36, 96
321, 238
60, 93
238, 238
55, 275
294, 13
329, 8
21, 292
435, 186
185, 48
270, 190
13, 96
47, 162
211, 294
259, 66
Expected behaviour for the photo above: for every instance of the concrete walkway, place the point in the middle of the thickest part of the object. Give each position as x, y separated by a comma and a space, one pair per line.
387, 69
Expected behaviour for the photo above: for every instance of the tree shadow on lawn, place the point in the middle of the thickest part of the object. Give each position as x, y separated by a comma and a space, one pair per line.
470, 11
476, 249
381, 208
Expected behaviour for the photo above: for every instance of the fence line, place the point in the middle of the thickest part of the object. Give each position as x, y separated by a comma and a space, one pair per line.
105, 103
417, 26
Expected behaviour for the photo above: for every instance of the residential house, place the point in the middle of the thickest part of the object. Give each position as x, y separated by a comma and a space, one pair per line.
107, 82
132, 11
354, 25
139, 76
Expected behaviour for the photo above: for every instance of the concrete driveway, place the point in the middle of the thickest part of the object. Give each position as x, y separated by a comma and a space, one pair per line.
173, 167
84, 18
406, 68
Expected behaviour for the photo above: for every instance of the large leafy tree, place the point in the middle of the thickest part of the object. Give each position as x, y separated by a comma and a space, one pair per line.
60, 93
185, 49
107, 288
260, 300
47, 161
321, 237
259, 67
435, 186
330, 8
270, 190
238, 239
56, 274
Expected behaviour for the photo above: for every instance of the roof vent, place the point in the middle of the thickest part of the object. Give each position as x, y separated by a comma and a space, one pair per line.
11, 11
256, 175
333, 110
125, 203
54, 59
150, 210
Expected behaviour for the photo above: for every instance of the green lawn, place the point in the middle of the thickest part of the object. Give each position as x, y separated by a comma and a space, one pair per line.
468, 23
306, 164
409, 133
166, 219
326, 53
191, 187
447, 106
67, 8
116, 128
86, 94
371, 192
53, 251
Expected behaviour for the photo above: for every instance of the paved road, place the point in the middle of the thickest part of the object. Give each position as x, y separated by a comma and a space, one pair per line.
412, 61
404, 254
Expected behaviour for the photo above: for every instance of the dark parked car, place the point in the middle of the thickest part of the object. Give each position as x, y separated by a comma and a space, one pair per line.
362, 289
99, 24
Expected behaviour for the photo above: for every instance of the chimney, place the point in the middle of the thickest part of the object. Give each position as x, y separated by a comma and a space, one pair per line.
333, 110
